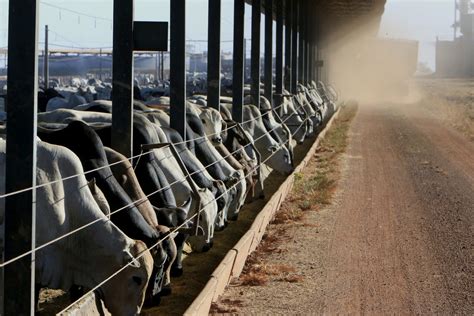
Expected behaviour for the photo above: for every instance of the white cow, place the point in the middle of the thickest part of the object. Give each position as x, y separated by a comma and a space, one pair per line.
90, 255
274, 155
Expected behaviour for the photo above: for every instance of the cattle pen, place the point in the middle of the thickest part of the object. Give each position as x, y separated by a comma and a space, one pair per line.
294, 60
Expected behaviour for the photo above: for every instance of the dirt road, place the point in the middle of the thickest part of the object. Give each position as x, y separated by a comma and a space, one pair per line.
399, 237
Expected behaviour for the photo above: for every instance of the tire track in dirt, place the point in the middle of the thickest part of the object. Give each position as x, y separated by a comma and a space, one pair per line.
399, 236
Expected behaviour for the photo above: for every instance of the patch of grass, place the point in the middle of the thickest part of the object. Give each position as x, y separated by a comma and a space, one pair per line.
287, 215
313, 189
225, 306
253, 279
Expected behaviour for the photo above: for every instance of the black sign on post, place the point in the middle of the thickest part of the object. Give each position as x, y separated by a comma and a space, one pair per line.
150, 36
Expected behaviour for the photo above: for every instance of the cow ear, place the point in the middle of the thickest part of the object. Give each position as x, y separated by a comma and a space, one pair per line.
92, 186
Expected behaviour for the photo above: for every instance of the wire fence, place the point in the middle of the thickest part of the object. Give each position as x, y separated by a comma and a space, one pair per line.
183, 224
170, 185
298, 109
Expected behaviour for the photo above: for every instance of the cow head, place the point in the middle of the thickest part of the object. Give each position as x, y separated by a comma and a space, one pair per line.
203, 240
124, 294
279, 159
212, 121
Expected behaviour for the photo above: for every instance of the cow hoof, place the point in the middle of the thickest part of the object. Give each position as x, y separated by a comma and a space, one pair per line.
166, 290
176, 272
234, 218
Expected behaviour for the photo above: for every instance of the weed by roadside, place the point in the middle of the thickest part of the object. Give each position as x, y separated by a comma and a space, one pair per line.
313, 189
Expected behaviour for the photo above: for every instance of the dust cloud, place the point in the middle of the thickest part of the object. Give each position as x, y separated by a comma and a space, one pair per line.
367, 68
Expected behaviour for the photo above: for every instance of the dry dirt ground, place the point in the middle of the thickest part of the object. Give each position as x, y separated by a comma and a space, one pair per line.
449, 100
397, 237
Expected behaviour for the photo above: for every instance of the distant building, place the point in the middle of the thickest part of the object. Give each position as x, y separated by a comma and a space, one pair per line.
456, 58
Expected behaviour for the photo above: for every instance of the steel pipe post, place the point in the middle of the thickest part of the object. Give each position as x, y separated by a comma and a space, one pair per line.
255, 53
288, 43
20, 173
279, 53
122, 78
268, 63
214, 54
238, 61
178, 66
301, 42
46, 58
294, 46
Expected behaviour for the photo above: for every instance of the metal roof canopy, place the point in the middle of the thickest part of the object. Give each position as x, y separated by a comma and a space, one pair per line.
340, 8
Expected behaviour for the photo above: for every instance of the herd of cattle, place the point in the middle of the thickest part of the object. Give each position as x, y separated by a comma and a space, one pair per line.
99, 212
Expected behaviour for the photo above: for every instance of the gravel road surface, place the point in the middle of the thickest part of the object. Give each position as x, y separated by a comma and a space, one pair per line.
399, 236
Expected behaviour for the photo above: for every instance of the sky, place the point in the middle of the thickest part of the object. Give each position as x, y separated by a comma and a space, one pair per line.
421, 20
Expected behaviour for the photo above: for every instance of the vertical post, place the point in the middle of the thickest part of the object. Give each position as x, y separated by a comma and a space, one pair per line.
268, 63
162, 65
279, 53
122, 78
306, 61
20, 171
157, 68
288, 50
100, 64
317, 56
178, 66
455, 29
306, 44
311, 61
255, 54
301, 42
238, 61
312, 41
214, 54
246, 75
294, 47
46, 58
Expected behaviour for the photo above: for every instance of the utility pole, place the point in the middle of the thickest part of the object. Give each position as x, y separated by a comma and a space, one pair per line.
455, 27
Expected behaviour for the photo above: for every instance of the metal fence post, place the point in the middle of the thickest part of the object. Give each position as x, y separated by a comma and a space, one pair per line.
214, 54
288, 42
268, 64
20, 213
308, 41
238, 61
46, 58
255, 54
294, 47
301, 43
279, 53
178, 66
122, 78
